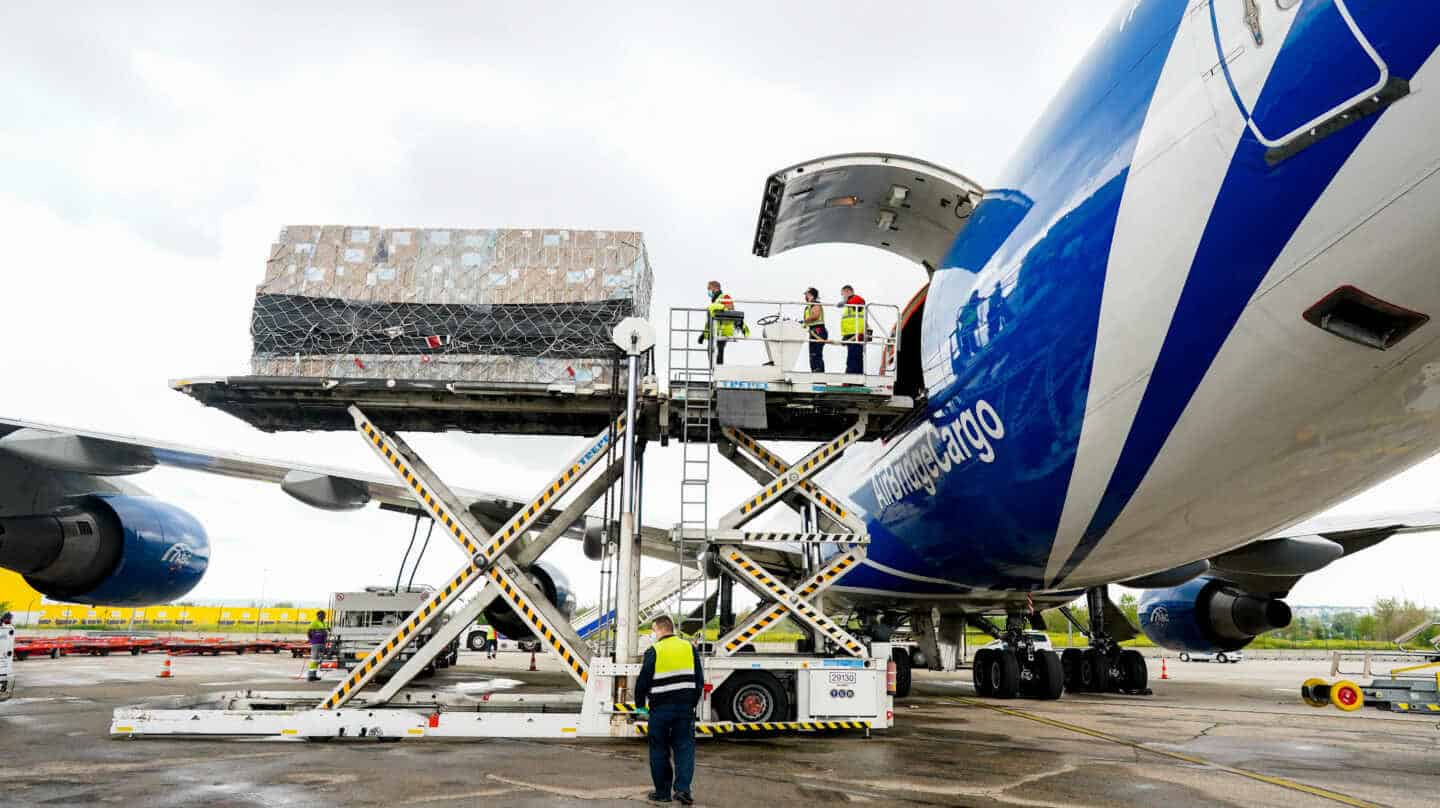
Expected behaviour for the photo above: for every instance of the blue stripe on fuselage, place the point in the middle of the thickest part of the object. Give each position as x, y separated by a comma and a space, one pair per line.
1258, 210
1042, 243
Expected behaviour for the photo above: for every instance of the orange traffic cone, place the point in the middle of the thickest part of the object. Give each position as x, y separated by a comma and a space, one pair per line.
532, 661
1164, 672
165, 669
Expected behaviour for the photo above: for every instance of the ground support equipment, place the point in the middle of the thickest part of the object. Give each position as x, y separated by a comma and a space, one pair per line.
844, 686
1412, 688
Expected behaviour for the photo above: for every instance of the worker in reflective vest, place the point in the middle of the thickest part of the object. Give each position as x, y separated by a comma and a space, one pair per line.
814, 323
722, 329
668, 690
318, 634
852, 329
492, 642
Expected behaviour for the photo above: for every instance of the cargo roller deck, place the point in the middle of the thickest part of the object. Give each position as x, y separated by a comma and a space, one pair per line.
795, 411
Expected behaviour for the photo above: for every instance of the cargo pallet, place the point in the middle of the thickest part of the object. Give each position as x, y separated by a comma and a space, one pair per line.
844, 687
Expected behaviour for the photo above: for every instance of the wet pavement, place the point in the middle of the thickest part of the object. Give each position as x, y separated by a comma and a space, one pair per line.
1212, 735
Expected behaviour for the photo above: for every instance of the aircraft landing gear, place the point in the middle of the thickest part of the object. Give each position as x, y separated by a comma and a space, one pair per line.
1018, 669
1104, 667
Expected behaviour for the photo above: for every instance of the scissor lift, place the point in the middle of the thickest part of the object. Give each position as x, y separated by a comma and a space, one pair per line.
843, 687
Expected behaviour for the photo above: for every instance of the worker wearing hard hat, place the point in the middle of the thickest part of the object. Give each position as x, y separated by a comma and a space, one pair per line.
668, 691
721, 329
318, 634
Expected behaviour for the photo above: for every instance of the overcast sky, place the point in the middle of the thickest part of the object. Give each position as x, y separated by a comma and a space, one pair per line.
149, 158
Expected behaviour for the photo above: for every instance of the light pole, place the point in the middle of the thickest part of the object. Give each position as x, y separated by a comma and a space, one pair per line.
260, 609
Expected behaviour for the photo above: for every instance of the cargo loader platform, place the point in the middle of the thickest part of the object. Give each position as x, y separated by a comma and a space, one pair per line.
793, 410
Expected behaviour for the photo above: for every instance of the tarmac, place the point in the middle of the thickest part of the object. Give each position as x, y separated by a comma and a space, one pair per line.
1211, 735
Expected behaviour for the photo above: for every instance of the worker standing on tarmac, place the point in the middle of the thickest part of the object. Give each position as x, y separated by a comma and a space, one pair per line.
492, 642
725, 329
318, 635
815, 327
668, 691
852, 329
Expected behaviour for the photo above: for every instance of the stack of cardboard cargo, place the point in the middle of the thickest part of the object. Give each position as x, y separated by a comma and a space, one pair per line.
444, 304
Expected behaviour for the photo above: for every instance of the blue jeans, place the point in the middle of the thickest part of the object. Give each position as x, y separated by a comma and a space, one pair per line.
672, 731
855, 358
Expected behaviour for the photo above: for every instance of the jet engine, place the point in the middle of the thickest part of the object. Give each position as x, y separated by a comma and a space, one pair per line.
1208, 614
549, 580
108, 549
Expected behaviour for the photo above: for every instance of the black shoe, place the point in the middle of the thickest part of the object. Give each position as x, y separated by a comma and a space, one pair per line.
655, 797
684, 798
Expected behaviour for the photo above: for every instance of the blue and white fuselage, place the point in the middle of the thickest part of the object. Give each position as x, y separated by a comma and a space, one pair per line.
1120, 378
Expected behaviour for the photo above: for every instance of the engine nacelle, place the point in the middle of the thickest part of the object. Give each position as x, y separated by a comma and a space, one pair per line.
1208, 614
108, 549
556, 587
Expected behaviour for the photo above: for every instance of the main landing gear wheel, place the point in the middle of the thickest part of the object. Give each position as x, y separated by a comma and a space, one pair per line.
1070, 662
1094, 671
979, 668
1134, 674
1048, 677
752, 697
1003, 673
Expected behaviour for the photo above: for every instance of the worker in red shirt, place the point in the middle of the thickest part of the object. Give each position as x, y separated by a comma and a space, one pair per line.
852, 329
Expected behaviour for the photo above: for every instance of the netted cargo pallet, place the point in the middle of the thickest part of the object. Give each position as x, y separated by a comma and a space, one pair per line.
463, 305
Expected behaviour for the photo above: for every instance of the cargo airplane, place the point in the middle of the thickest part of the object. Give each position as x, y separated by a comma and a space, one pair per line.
1193, 312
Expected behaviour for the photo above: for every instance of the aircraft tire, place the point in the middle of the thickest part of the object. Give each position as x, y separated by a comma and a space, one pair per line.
1134, 673
1070, 662
903, 679
979, 668
1094, 671
1049, 681
1004, 673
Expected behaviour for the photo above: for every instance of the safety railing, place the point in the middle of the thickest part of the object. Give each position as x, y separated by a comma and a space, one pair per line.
774, 332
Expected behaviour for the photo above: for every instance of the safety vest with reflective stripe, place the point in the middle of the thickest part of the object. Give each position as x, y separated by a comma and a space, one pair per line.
319, 632
852, 322
674, 666
726, 328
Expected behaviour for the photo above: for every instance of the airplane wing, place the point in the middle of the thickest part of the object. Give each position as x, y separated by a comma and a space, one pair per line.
1273, 565
81, 451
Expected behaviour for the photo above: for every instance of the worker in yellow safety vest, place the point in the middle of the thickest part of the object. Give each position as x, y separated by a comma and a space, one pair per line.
852, 329
722, 329
317, 634
668, 691
492, 642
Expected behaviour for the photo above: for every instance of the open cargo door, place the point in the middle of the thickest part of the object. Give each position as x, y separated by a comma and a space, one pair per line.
899, 204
